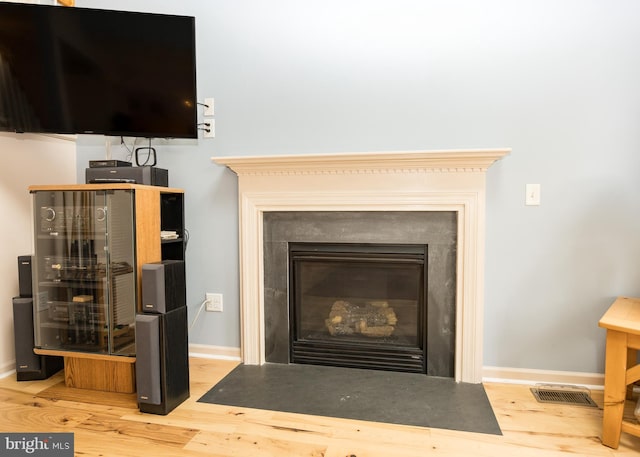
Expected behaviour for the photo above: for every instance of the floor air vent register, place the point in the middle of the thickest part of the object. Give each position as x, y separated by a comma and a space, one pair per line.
563, 394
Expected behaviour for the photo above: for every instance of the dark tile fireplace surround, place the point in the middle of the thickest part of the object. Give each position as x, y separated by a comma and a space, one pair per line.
451, 183
435, 230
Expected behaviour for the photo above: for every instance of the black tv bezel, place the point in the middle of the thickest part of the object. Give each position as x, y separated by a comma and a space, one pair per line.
192, 133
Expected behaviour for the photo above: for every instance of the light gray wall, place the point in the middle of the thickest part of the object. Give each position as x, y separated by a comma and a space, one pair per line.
557, 81
25, 160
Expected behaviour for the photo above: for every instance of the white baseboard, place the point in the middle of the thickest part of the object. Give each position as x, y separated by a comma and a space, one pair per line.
7, 369
489, 374
533, 376
506, 375
529, 376
206, 351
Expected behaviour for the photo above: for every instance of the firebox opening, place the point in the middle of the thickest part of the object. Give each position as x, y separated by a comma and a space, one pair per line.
359, 305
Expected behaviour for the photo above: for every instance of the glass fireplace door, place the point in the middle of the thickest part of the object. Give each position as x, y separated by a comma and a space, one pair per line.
358, 305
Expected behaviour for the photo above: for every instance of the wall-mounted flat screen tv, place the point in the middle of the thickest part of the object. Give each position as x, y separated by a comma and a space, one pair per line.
94, 71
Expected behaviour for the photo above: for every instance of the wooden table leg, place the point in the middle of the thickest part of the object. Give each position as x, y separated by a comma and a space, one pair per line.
615, 387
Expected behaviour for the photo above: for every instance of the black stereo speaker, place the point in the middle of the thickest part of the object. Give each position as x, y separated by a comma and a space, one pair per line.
30, 366
163, 286
162, 361
24, 276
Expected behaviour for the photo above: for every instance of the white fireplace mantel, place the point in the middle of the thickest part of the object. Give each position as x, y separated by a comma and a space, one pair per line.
381, 181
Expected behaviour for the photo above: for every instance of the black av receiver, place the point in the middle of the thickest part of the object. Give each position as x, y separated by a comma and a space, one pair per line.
148, 175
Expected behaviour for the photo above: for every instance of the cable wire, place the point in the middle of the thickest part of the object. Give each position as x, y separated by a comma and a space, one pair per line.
195, 319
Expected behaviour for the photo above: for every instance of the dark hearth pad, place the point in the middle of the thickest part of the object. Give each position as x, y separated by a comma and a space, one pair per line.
350, 393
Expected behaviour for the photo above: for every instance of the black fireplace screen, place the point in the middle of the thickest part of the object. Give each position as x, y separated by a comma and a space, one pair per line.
358, 305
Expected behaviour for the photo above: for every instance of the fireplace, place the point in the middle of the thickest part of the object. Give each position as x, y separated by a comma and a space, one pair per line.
419, 244
358, 305
415, 181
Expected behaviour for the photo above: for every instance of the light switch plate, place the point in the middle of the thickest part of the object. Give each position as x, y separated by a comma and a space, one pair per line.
532, 195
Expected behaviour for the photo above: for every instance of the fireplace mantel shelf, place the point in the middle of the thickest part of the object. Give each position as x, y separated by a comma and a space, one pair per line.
444, 180
464, 160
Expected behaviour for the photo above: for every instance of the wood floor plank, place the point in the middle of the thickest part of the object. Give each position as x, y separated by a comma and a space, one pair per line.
170, 435
61, 392
234, 444
103, 426
26, 413
105, 445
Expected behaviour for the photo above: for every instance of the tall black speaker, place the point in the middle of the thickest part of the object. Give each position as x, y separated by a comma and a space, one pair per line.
162, 361
30, 366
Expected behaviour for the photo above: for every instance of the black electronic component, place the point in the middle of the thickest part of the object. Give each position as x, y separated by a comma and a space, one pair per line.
108, 163
147, 175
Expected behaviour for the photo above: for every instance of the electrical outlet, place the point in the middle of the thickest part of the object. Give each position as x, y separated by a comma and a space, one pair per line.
213, 302
208, 109
210, 129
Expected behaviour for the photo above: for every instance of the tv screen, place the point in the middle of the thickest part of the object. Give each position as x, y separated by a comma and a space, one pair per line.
81, 70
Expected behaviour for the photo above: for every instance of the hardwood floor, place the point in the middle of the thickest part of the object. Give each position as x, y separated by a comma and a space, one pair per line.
111, 425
